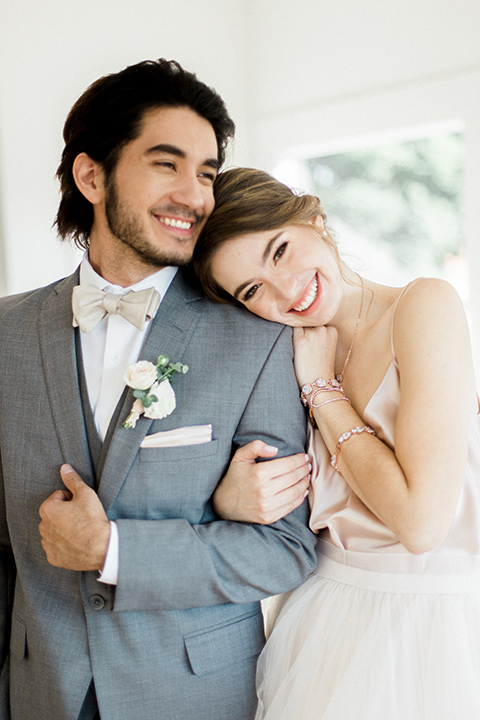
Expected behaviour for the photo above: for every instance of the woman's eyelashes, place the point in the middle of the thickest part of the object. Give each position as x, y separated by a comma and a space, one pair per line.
276, 257
250, 293
279, 252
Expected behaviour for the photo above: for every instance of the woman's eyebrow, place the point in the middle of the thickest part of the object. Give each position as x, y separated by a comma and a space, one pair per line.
265, 256
268, 248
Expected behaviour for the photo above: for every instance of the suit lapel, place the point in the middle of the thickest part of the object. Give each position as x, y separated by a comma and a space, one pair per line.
57, 349
169, 334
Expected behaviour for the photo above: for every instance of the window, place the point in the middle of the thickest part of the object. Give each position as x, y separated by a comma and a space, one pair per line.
396, 210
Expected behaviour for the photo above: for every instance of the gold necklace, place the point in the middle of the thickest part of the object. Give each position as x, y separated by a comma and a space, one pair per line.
352, 343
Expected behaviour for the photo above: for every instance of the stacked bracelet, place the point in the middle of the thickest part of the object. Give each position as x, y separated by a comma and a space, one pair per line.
320, 385
346, 436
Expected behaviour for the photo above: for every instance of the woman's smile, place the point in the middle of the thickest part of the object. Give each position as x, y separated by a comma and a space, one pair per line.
310, 299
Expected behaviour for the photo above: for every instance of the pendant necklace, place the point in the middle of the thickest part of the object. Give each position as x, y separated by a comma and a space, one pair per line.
340, 376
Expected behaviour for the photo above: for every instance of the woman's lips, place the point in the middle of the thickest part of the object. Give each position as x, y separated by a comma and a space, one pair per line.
310, 299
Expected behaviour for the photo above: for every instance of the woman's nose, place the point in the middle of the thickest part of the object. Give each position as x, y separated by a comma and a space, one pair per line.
287, 287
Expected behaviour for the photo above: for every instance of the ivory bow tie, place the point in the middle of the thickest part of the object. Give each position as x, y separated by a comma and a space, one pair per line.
91, 305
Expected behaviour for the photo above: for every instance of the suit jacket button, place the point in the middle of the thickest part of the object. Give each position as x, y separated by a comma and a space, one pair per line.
97, 602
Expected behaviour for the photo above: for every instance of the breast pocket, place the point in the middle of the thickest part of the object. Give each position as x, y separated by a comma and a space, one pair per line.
175, 482
180, 453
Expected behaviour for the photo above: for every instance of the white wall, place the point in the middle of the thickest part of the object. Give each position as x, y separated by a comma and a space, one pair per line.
309, 51
297, 75
336, 75
49, 53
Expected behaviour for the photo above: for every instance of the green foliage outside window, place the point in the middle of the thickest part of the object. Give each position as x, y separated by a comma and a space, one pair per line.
406, 195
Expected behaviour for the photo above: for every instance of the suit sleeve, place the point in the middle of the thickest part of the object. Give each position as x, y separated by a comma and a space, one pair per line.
222, 561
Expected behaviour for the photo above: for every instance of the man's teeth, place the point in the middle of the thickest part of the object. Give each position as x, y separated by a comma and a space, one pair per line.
182, 224
309, 299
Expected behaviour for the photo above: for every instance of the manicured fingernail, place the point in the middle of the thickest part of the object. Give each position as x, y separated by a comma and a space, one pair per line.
309, 466
305, 494
270, 448
67, 469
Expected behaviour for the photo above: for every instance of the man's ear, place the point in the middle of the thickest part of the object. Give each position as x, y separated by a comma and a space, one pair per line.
89, 178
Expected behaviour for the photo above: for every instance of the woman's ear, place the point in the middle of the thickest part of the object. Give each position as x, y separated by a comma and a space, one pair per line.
318, 222
89, 178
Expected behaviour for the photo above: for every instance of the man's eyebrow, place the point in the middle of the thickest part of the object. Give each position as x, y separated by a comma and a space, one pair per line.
265, 256
166, 149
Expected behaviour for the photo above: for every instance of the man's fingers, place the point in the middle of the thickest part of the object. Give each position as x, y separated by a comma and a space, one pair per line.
62, 495
71, 479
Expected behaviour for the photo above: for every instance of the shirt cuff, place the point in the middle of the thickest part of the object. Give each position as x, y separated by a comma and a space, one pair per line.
109, 573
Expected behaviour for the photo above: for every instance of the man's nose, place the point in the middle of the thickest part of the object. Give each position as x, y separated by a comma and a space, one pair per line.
188, 192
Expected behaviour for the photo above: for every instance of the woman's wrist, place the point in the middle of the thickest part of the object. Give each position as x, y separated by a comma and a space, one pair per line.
321, 392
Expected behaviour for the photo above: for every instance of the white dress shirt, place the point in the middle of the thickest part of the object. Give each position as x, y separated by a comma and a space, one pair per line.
107, 351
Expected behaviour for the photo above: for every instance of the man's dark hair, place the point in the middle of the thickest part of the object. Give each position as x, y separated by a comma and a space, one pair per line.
109, 115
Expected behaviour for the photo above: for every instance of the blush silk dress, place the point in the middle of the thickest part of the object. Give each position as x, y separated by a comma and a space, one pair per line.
377, 633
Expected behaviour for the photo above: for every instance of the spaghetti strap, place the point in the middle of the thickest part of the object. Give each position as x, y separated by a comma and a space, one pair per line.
405, 289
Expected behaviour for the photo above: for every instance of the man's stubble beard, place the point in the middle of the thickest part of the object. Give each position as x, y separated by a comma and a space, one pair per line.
127, 227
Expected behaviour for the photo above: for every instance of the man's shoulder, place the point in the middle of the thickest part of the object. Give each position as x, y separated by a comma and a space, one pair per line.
231, 320
238, 326
27, 301
241, 316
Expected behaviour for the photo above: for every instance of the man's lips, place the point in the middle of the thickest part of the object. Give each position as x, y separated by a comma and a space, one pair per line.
310, 299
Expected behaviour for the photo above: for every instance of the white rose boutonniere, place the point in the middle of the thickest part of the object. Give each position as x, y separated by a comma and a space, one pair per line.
154, 395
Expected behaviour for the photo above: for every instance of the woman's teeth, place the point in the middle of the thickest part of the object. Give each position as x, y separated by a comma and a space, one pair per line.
310, 297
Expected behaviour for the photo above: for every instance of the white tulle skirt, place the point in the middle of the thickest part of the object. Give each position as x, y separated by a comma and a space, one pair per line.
356, 644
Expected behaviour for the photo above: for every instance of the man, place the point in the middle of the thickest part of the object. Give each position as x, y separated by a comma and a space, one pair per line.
132, 600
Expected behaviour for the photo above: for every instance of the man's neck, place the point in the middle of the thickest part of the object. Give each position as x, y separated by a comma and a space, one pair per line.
122, 269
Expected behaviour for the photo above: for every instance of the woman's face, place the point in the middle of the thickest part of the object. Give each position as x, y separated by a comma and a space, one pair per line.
287, 275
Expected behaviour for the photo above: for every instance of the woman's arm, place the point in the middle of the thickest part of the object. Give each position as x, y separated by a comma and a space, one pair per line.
414, 491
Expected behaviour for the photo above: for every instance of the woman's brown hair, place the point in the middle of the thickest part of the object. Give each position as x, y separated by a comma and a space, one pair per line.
249, 201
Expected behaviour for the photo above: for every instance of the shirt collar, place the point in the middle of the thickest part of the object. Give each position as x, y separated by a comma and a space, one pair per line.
160, 280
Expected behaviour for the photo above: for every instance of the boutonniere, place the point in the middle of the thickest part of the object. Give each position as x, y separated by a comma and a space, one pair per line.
155, 397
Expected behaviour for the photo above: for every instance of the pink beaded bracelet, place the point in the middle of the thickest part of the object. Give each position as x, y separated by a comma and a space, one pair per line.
319, 385
346, 436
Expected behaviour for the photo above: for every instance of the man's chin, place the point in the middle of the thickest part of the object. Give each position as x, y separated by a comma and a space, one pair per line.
159, 259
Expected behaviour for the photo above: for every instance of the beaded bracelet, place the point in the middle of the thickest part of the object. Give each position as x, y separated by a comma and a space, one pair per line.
319, 385
346, 436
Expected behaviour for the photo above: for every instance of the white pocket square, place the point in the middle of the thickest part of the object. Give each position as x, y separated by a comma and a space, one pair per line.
192, 435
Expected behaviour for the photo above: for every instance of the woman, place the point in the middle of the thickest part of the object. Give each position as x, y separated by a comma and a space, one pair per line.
389, 624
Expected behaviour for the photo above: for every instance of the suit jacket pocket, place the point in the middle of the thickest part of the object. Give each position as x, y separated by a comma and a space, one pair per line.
179, 453
18, 639
213, 649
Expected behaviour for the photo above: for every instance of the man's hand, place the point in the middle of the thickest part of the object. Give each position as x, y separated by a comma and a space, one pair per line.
74, 527
262, 492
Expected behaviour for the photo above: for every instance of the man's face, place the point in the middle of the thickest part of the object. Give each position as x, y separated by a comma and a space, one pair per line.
161, 191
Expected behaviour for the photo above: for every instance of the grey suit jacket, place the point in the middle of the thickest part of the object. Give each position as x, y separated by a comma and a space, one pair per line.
179, 636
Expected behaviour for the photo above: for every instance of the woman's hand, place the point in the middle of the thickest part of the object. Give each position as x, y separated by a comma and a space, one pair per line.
262, 492
314, 349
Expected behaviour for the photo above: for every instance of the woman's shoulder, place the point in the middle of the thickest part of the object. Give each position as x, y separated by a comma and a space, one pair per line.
429, 318
428, 300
